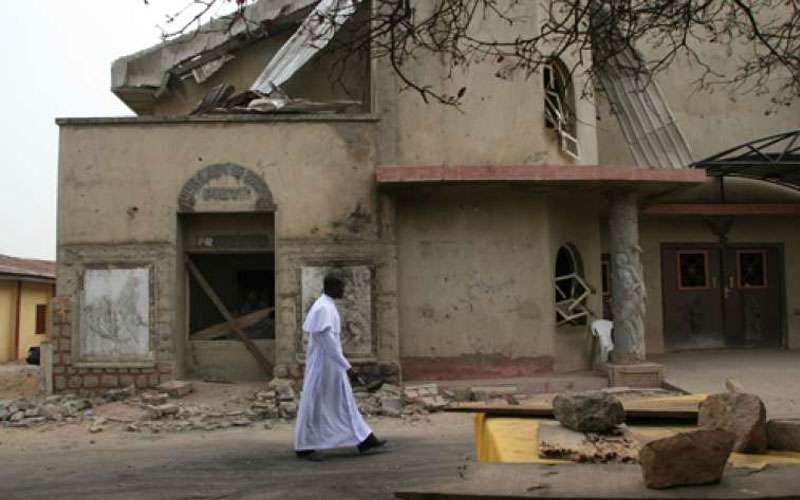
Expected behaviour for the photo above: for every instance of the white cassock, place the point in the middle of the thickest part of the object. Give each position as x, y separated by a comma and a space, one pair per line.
328, 416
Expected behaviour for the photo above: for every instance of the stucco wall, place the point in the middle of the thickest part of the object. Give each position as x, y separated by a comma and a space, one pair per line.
8, 315
501, 120
473, 295
579, 226
321, 174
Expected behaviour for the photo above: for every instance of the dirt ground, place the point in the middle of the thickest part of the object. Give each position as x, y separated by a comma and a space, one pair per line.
18, 380
67, 462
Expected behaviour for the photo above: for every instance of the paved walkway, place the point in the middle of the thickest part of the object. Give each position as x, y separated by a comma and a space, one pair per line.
774, 375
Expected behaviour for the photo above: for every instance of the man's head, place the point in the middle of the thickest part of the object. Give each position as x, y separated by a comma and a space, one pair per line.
333, 285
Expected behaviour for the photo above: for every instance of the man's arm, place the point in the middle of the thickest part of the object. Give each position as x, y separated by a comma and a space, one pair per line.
327, 342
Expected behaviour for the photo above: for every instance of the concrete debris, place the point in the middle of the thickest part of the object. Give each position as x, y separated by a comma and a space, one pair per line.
743, 415
697, 457
154, 398
558, 442
176, 388
29, 413
784, 434
595, 411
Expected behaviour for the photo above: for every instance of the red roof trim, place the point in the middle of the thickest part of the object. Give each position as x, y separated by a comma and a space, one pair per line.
535, 173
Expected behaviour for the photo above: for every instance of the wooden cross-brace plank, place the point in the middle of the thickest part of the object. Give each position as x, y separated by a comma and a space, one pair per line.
262, 361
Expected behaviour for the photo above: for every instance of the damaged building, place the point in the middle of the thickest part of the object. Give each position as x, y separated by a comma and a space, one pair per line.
477, 242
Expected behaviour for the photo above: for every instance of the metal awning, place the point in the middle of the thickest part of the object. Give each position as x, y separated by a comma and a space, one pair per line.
773, 159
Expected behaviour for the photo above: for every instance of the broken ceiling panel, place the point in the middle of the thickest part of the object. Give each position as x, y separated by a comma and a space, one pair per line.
650, 129
138, 79
313, 35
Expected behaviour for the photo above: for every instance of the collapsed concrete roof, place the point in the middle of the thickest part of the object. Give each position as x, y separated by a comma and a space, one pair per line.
140, 78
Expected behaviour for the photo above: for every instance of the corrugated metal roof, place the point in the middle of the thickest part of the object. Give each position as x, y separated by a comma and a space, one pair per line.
31, 268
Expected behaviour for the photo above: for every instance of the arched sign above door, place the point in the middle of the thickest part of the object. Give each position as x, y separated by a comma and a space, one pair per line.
225, 187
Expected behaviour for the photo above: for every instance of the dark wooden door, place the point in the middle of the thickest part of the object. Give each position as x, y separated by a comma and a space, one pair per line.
752, 297
691, 289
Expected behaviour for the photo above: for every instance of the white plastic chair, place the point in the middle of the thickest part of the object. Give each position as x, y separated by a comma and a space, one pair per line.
601, 328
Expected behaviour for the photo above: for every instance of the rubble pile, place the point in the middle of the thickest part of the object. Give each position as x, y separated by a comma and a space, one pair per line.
68, 408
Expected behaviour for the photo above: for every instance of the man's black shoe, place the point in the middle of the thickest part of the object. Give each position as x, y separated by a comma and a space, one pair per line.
311, 455
371, 443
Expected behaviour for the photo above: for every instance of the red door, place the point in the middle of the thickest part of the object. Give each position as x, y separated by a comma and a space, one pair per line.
693, 310
752, 297
718, 296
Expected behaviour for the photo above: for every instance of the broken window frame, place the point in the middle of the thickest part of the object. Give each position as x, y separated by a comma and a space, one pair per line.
559, 106
572, 291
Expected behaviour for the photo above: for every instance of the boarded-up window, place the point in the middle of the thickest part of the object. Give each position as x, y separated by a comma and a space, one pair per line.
41, 319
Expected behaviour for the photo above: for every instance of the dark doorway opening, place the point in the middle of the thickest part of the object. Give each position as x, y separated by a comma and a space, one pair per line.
244, 282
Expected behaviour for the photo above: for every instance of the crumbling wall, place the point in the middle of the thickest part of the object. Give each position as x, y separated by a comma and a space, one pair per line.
119, 186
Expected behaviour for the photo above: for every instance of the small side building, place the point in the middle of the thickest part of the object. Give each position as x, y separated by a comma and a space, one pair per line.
26, 288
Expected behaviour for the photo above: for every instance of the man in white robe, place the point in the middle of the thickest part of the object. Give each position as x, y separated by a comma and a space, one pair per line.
328, 416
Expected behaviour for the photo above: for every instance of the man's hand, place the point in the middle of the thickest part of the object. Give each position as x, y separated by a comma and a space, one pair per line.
355, 379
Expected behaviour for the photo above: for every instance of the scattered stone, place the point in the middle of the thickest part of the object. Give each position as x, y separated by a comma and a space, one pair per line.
155, 398
242, 422
743, 415
392, 407
160, 411
461, 394
697, 457
176, 388
17, 416
784, 434
268, 425
288, 410
120, 394
51, 411
132, 428
589, 411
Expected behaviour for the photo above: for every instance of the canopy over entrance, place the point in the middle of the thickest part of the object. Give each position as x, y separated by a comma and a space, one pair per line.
773, 159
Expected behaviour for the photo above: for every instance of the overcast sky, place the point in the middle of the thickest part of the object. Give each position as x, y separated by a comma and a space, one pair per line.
57, 57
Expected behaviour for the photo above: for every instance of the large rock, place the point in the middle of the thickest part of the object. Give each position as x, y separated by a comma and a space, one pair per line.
697, 457
784, 434
743, 415
589, 411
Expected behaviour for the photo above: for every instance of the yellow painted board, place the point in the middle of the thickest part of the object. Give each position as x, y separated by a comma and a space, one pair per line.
515, 440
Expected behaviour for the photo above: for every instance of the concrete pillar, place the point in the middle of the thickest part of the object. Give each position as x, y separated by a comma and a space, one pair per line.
627, 282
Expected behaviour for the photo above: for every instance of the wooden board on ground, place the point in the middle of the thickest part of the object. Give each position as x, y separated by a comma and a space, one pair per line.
598, 481
558, 442
684, 408
223, 329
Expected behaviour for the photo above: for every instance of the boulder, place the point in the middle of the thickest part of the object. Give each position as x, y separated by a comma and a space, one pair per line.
589, 411
784, 434
688, 458
743, 415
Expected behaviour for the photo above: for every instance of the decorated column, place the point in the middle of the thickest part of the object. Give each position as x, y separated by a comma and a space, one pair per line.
627, 281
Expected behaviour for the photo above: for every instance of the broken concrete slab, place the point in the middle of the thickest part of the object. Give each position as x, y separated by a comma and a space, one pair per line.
784, 434
559, 442
688, 458
743, 415
595, 411
176, 388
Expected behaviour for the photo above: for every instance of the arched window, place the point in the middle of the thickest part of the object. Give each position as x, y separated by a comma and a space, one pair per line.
570, 288
559, 105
